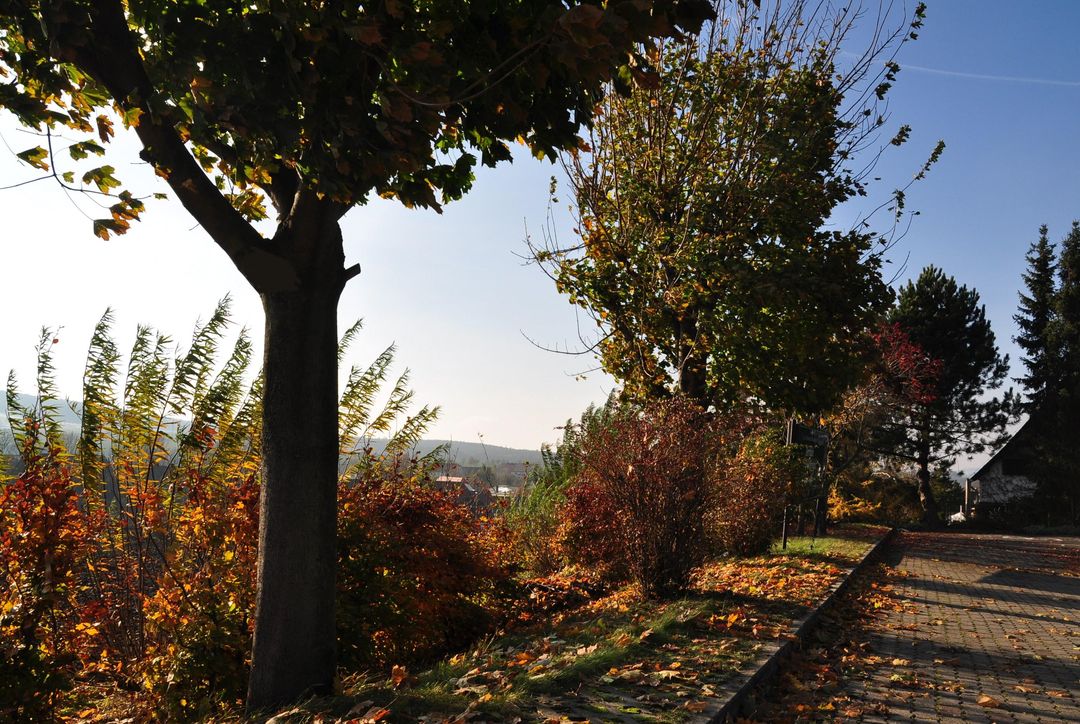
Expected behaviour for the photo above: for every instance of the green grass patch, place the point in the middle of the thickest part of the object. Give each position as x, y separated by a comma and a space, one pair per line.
828, 547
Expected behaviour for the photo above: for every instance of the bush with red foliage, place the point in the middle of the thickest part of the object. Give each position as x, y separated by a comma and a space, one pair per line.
638, 505
589, 533
43, 537
418, 573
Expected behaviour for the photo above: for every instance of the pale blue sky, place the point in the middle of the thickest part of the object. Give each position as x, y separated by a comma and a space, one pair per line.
454, 295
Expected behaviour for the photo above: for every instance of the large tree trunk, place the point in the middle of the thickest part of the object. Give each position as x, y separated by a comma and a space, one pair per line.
693, 381
926, 493
294, 647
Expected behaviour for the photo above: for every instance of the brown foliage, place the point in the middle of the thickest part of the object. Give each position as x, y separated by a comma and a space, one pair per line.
639, 503
418, 573
42, 539
751, 489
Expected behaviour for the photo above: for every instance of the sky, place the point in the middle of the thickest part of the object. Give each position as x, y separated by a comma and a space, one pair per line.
998, 81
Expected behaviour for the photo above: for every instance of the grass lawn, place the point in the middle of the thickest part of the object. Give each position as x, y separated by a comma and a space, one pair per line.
619, 658
833, 547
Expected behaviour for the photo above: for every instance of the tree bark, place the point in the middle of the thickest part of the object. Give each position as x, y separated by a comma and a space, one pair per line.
693, 382
294, 646
926, 493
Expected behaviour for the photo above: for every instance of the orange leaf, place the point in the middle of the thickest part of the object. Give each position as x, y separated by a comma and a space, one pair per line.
374, 714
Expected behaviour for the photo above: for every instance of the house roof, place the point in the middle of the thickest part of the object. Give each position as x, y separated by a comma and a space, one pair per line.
1013, 441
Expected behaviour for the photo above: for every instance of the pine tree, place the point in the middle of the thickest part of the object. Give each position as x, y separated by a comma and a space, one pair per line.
1036, 311
1060, 475
950, 325
1065, 329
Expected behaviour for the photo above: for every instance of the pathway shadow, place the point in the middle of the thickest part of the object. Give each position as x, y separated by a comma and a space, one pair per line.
996, 551
995, 611
974, 591
1038, 581
976, 672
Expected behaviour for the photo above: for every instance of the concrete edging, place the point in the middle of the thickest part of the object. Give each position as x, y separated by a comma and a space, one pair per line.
731, 697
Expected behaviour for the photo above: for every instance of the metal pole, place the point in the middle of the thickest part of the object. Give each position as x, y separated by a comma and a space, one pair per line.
783, 545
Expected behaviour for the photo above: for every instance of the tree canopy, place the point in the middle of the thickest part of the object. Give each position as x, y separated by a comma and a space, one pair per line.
701, 203
237, 101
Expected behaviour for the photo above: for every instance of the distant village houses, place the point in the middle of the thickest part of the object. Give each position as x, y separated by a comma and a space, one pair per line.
470, 492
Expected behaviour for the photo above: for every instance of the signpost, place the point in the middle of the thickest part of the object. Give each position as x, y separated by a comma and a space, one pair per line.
799, 434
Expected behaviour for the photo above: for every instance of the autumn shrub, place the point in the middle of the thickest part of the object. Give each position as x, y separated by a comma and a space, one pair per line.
131, 555
418, 573
752, 483
199, 619
591, 534
845, 507
532, 517
638, 505
886, 494
42, 540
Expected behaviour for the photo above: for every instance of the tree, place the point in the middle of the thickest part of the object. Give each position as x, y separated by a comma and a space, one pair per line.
899, 375
701, 204
947, 322
1034, 316
1059, 412
313, 106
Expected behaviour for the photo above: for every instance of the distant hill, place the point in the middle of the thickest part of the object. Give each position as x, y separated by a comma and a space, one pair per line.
475, 453
462, 453
67, 416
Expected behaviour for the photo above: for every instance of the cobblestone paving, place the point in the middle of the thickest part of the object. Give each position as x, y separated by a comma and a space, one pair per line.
989, 631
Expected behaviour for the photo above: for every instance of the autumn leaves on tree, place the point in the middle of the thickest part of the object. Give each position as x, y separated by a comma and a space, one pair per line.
312, 106
700, 201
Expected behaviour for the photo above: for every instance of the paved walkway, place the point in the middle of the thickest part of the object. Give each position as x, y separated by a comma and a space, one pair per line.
988, 630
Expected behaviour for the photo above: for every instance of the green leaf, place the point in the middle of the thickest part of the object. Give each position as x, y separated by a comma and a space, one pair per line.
83, 149
102, 177
36, 157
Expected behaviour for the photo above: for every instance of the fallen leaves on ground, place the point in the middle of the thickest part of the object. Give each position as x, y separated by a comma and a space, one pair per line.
811, 686
575, 655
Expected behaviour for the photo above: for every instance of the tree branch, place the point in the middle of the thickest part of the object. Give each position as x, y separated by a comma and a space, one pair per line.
112, 59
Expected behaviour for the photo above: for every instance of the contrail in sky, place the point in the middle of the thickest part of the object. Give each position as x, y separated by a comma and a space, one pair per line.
981, 76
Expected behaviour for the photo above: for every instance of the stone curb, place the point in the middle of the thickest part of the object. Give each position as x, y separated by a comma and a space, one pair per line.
731, 697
